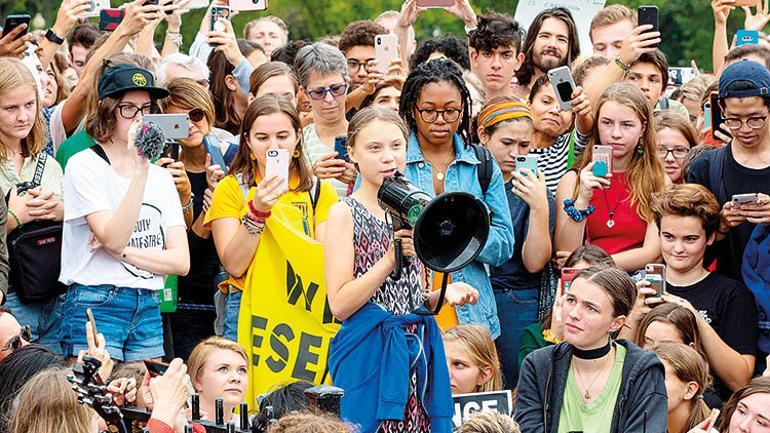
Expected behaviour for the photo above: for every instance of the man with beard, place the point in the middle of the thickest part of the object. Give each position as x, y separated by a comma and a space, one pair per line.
552, 41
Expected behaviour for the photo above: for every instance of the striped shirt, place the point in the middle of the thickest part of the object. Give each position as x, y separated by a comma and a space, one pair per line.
552, 160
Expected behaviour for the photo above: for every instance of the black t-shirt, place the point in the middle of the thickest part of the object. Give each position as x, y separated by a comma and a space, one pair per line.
729, 307
197, 287
736, 179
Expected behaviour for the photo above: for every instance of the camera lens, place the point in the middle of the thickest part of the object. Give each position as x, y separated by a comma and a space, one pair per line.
272, 152
379, 41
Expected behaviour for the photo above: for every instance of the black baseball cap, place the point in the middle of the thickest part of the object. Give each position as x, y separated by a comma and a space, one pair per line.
119, 79
756, 76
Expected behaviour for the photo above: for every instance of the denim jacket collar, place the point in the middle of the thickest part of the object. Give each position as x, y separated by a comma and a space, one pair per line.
463, 153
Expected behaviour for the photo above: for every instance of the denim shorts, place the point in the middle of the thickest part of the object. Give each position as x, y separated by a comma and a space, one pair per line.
129, 318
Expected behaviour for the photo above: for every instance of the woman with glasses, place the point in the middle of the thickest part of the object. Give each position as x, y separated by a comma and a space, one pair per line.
676, 137
195, 179
123, 226
609, 203
22, 143
436, 106
323, 76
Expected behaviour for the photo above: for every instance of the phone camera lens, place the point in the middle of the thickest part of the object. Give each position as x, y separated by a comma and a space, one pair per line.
379, 41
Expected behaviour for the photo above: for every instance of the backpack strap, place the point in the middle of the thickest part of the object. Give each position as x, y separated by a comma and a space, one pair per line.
717, 160
39, 168
99, 150
485, 169
315, 192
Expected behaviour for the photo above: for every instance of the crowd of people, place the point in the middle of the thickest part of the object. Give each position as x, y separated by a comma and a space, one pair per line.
622, 286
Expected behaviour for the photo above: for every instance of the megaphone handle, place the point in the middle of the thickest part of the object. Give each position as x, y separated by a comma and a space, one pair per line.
396, 275
444, 280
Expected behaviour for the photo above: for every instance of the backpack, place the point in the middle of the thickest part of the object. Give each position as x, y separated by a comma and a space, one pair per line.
34, 253
486, 168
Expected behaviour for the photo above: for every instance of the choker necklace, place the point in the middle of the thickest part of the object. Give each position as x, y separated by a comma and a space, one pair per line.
593, 353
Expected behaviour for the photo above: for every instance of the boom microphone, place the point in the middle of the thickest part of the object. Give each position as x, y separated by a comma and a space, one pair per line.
150, 140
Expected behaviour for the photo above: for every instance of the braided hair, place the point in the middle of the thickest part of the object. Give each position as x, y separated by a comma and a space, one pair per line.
435, 71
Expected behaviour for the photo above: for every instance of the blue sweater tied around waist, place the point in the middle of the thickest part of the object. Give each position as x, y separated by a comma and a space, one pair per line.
371, 357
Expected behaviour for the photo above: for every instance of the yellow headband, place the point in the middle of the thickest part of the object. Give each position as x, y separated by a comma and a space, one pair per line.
502, 111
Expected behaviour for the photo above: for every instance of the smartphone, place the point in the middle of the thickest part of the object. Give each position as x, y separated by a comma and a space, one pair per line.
712, 418
197, 4
746, 2
435, 3
13, 21
174, 126
527, 162
170, 150
248, 5
385, 51
110, 19
567, 275
341, 148
155, 368
277, 163
707, 114
95, 7
602, 158
655, 273
716, 114
91, 322
739, 199
745, 37
682, 75
648, 15
214, 151
216, 13
563, 86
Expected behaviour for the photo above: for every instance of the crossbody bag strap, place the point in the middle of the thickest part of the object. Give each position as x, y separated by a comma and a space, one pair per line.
39, 168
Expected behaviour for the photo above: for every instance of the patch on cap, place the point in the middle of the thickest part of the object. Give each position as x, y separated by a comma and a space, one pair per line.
139, 79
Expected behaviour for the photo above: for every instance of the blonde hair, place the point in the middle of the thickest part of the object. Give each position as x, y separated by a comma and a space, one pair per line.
688, 366
489, 422
309, 422
610, 15
187, 94
645, 173
203, 351
14, 74
477, 343
47, 404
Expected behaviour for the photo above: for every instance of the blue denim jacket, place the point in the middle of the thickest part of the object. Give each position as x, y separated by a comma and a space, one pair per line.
461, 176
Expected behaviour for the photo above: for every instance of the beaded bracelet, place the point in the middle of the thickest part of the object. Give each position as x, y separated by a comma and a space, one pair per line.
577, 215
626, 69
189, 204
254, 228
257, 213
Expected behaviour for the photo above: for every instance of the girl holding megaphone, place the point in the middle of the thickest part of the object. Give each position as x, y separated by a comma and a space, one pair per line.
388, 356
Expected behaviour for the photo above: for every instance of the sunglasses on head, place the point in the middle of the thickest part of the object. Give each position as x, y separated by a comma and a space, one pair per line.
196, 114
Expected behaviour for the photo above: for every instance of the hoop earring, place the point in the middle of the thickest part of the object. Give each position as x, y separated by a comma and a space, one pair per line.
296, 153
253, 158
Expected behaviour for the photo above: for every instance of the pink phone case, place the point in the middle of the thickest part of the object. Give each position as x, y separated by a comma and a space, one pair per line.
385, 51
435, 3
277, 163
248, 5
603, 153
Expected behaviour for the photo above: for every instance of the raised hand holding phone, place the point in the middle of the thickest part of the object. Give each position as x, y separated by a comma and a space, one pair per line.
97, 347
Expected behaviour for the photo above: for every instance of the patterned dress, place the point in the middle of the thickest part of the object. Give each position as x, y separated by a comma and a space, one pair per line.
371, 238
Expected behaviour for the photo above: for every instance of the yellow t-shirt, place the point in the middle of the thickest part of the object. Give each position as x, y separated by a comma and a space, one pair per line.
228, 202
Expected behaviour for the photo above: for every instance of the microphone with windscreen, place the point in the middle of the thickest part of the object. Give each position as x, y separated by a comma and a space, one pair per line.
150, 140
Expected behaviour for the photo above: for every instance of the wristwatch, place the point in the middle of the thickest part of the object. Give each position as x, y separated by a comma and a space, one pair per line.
53, 37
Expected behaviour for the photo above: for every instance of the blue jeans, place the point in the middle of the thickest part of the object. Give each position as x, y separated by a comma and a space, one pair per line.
129, 319
516, 309
44, 319
232, 308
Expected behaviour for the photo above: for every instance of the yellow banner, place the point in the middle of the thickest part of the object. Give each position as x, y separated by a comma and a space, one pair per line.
285, 322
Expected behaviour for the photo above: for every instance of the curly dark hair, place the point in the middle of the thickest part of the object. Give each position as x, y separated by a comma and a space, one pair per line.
495, 30
360, 33
525, 72
452, 47
435, 71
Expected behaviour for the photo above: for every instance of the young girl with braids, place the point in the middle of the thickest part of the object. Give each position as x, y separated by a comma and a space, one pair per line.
440, 157
388, 356
614, 211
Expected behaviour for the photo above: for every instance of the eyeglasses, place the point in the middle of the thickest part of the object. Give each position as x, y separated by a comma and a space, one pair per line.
369, 65
336, 91
430, 115
679, 152
17, 341
196, 114
129, 111
753, 122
